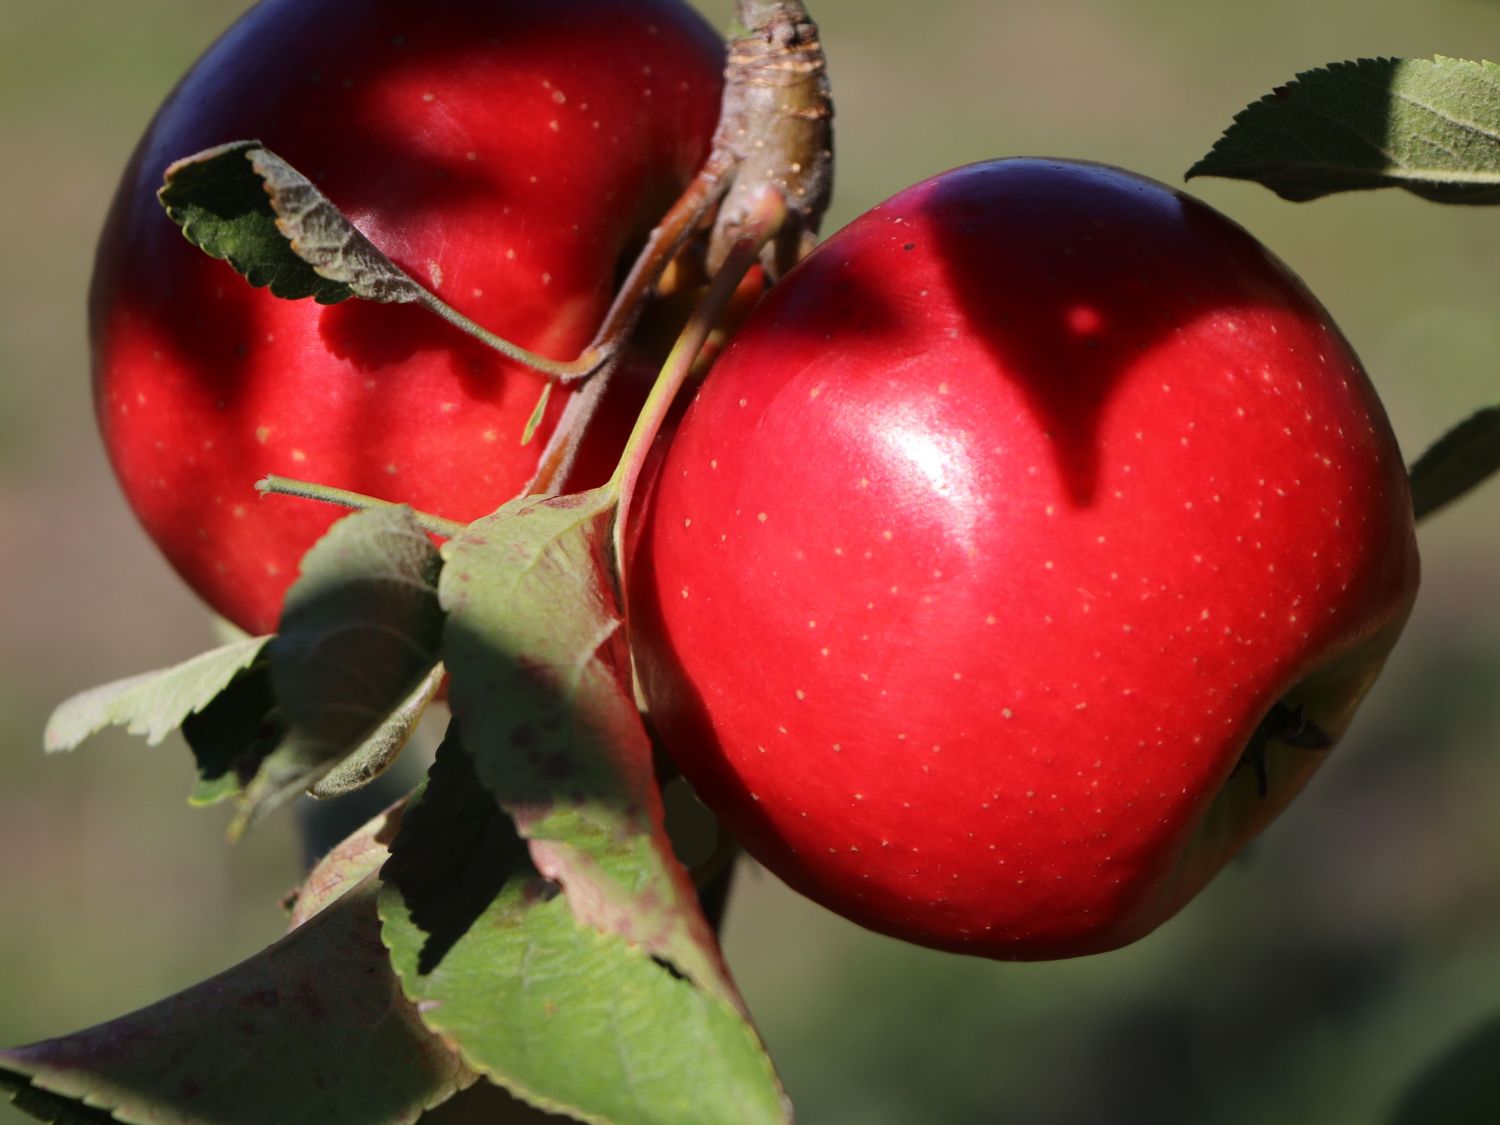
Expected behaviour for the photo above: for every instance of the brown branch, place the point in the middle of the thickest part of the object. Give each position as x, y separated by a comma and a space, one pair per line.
777, 128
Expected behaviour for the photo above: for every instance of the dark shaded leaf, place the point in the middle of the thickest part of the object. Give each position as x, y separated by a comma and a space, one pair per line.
311, 1031
322, 237
1430, 127
231, 737
49, 1107
454, 855
353, 664
220, 202
1462, 459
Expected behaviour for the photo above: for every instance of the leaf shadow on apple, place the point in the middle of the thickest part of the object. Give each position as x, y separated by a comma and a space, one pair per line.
1069, 285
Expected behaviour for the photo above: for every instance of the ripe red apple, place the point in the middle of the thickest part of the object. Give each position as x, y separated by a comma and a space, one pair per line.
1016, 520
510, 155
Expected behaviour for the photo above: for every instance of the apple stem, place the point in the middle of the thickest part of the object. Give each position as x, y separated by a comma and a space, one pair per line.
764, 222
358, 501
562, 371
662, 245
776, 128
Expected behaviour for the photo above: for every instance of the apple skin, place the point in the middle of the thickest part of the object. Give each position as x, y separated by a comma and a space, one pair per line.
975, 564
512, 156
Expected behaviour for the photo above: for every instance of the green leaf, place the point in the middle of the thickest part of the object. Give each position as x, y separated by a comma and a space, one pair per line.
233, 735
567, 1016
220, 202
382, 748
311, 1031
359, 855
155, 703
541, 691
243, 204
1431, 127
48, 1107
322, 237
1462, 459
538, 412
353, 664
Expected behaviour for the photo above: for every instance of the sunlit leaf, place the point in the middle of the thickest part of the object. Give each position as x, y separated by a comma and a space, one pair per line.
563, 1014
153, 704
359, 855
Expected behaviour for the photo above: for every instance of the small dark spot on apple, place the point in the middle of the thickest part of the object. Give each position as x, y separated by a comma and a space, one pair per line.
909, 246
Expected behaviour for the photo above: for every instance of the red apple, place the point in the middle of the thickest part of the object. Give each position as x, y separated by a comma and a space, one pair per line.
1015, 520
510, 155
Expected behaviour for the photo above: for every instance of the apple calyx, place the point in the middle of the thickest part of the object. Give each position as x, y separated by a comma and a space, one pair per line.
775, 129
1287, 725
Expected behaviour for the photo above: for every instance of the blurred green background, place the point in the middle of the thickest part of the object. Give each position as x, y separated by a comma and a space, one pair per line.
1347, 970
